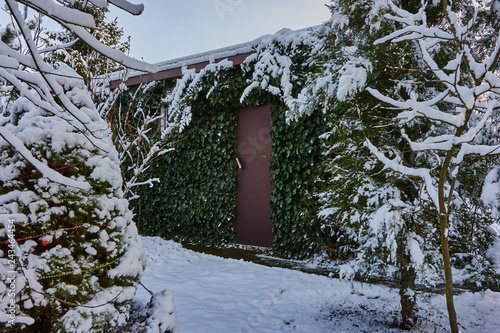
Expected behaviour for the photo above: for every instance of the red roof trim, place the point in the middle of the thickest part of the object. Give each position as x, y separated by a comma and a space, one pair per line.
176, 72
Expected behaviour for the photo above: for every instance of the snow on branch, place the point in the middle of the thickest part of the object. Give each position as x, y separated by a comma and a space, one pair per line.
186, 88
493, 59
464, 113
75, 21
60, 91
414, 33
23, 59
418, 109
44, 169
404, 16
481, 150
422, 173
109, 52
58, 47
127, 6
52, 9
136, 136
446, 142
8, 62
100, 3
14, 79
48, 83
353, 76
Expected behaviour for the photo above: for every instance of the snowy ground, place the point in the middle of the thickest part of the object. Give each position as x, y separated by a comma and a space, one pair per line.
217, 295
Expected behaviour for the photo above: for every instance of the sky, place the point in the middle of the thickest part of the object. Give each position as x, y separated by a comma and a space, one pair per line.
169, 29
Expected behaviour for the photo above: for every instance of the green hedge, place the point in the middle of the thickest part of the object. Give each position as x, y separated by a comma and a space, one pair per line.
195, 201
296, 156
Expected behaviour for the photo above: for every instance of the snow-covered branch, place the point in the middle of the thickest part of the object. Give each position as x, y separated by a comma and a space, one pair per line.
417, 109
43, 168
40, 82
109, 52
398, 167
136, 135
58, 47
470, 98
53, 9
463, 115
127, 6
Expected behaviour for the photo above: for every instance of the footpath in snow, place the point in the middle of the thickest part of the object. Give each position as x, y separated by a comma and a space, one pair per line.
217, 295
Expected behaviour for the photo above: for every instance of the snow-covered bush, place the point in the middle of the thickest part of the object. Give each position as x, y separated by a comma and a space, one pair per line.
71, 256
158, 316
134, 116
79, 267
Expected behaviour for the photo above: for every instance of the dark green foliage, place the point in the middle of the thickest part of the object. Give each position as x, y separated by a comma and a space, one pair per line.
195, 201
469, 235
296, 155
76, 237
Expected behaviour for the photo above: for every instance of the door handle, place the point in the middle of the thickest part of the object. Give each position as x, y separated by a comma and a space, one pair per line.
239, 163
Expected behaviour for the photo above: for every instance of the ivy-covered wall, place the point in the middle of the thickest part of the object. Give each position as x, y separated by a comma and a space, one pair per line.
294, 166
195, 201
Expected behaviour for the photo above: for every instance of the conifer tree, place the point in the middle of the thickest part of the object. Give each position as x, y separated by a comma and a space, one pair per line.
370, 214
76, 237
380, 218
461, 102
68, 240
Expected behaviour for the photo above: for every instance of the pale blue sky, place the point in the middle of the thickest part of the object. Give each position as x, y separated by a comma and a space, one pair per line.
169, 29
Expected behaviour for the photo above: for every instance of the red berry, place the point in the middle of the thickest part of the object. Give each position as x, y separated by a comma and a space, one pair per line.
45, 242
128, 223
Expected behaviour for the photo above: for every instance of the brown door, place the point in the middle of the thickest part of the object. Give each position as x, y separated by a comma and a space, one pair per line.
253, 179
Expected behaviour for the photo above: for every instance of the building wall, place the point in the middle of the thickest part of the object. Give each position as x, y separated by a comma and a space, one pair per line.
196, 201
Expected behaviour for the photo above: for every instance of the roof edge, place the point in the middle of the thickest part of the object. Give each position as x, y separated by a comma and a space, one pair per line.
171, 69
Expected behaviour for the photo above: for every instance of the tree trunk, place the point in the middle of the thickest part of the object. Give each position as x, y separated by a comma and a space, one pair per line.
445, 249
406, 287
447, 272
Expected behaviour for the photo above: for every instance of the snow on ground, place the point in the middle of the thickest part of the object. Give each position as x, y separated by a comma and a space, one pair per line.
218, 295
